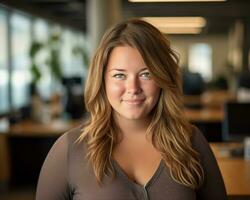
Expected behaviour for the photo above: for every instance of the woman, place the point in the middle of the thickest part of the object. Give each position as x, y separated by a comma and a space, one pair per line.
136, 142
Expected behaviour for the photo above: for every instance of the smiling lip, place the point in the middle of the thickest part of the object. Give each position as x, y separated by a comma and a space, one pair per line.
134, 102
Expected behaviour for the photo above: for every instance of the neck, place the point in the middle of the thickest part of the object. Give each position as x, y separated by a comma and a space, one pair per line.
132, 127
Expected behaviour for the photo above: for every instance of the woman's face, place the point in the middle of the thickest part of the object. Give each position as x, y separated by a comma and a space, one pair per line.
130, 89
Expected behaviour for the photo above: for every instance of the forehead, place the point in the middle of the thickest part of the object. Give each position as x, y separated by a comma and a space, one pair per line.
125, 57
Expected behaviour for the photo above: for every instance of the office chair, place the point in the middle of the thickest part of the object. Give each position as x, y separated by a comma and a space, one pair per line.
193, 83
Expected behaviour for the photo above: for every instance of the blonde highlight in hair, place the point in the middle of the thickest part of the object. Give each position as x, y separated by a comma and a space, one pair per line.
170, 131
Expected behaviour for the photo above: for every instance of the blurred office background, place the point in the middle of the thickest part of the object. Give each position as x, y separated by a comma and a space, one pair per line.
45, 48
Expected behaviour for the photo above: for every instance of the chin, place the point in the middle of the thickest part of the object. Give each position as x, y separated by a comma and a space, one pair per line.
134, 116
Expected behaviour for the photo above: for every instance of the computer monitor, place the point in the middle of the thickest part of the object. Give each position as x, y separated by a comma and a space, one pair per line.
236, 123
243, 80
74, 102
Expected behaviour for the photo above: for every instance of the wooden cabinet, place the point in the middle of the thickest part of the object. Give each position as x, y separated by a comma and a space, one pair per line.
4, 162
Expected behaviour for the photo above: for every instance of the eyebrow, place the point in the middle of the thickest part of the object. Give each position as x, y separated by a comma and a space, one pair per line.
123, 70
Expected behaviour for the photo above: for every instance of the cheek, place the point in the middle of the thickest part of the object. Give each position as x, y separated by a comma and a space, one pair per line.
154, 94
113, 90
152, 90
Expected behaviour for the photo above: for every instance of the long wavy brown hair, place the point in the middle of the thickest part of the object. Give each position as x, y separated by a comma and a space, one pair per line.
169, 129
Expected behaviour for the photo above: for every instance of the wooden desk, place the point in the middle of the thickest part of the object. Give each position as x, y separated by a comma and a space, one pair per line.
208, 121
211, 103
33, 129
204, 115
209, 99
4, 163
27, 144
235, 171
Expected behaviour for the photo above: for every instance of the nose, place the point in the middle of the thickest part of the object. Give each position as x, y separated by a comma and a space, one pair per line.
133, 86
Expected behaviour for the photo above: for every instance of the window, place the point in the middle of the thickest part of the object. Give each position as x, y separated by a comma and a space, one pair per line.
17, 32
4, 80
200, 60
41, 30
41, 34
20, 45
72, 64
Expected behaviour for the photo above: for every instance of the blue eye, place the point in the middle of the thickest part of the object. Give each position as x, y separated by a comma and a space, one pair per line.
146, 75
119, 76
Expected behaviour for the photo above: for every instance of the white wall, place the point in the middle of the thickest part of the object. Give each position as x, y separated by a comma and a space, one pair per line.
218, 43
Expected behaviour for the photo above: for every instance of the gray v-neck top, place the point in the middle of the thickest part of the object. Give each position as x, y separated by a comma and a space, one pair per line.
67, 175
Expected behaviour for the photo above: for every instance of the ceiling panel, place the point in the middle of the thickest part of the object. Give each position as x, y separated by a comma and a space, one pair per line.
219, 16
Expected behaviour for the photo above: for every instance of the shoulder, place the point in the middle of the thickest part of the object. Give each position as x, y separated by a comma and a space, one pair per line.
213, 186
201, 145
63, 147
54, 179
199, 142
73, 134
69, 138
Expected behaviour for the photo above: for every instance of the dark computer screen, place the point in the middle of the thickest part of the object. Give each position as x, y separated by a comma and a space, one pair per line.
236, 124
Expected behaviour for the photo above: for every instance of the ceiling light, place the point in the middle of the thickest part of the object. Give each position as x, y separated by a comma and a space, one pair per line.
179, 25
153, 1
180, 30
167, 22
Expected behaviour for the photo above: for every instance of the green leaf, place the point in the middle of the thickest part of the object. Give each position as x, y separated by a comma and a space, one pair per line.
34, 49
36, 74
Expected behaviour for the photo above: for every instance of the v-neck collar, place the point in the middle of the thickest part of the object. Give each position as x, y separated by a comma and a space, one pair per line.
125, 177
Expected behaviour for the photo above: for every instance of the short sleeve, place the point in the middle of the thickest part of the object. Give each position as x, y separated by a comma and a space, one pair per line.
53, 178
213, 186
